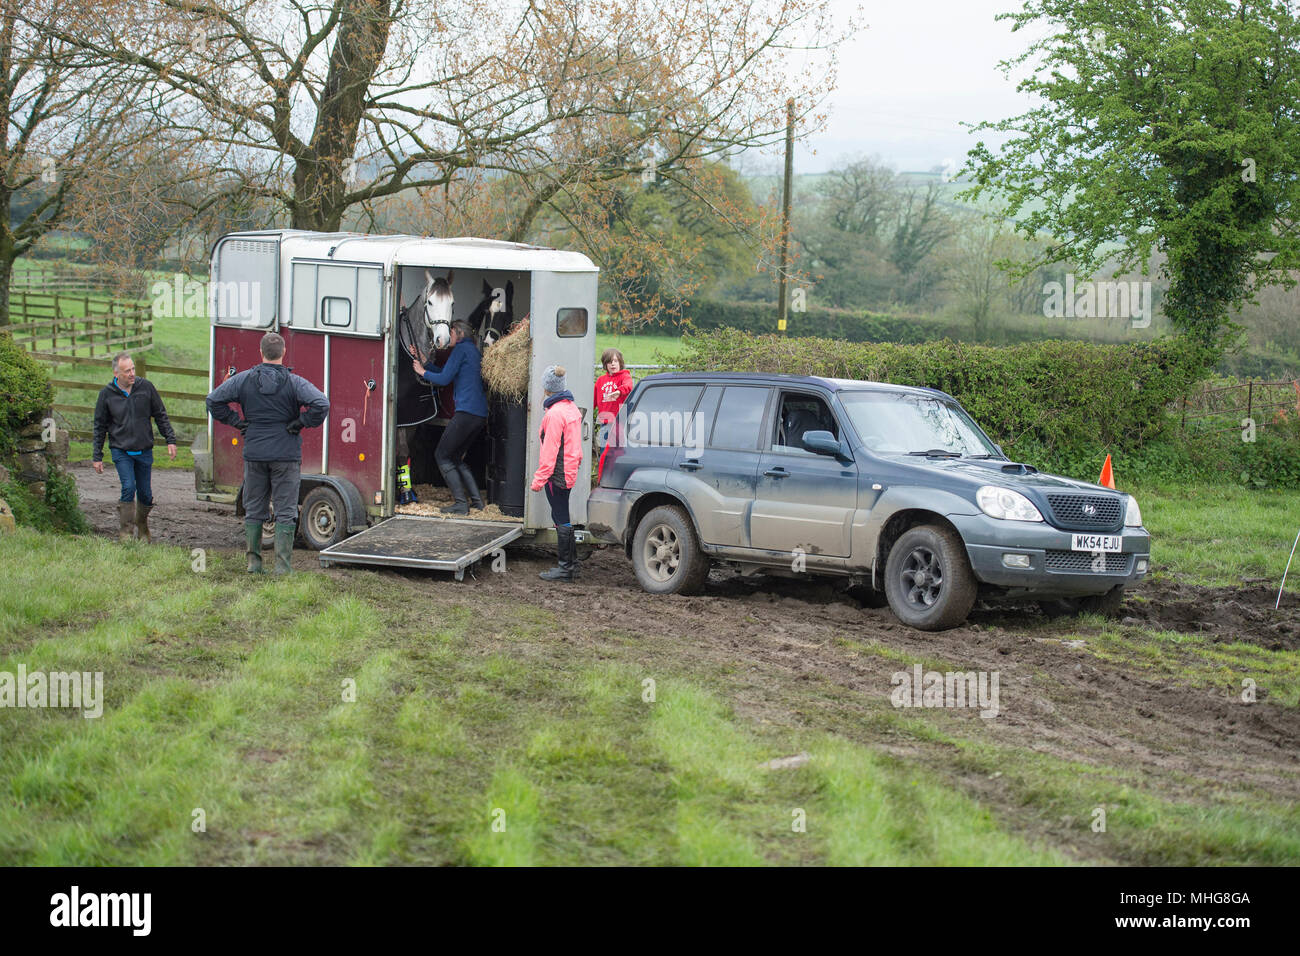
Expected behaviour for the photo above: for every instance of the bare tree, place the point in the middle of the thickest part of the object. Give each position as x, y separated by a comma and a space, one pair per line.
326, 107
922, 226
64, 128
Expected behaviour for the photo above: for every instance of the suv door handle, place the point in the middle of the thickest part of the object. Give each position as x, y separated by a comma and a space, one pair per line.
690, 464
777, 472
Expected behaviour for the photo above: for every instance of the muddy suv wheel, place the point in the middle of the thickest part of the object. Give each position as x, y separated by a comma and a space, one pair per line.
928, 579
666, 553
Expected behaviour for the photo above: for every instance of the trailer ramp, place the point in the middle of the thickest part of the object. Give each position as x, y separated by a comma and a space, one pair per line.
413, 541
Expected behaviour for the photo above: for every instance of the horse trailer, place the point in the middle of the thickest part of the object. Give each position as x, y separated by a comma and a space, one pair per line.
350, 308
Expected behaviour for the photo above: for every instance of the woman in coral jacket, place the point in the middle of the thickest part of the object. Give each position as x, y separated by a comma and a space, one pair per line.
557, 469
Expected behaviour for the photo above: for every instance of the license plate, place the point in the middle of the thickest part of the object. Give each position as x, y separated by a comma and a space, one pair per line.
1097, 542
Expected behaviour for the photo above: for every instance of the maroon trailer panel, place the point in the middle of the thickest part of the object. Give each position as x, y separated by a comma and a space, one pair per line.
304, 352
234, 350
355, 424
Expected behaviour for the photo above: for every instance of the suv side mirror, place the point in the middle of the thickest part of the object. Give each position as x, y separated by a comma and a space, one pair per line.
823, 443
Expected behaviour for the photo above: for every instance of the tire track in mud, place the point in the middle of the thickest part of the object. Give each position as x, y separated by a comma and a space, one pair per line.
1056, 697
785, 641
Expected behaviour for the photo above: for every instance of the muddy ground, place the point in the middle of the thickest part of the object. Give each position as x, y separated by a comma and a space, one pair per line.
774, 637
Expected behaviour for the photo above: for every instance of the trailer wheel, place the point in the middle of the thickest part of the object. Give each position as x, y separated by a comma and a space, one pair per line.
324, 519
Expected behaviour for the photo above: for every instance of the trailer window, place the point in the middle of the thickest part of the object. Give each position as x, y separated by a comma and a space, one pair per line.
335, 312
343, 298
571, 323
243, 289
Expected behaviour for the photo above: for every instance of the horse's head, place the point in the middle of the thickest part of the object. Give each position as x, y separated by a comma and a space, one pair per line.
493, 314
437, 308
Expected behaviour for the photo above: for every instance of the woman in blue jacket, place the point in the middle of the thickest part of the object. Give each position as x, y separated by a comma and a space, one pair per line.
461, 371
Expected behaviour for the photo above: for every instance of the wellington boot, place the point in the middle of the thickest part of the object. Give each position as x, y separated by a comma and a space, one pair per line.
142, 522
253, 538
125, 520
459, 505
567, 549
284, 548
471, 487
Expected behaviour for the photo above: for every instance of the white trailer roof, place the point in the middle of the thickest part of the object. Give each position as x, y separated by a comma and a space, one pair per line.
458, 253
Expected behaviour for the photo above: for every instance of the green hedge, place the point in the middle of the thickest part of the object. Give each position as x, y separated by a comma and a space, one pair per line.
1060, 406
1061, 396
759, 318
25, 392
59, 510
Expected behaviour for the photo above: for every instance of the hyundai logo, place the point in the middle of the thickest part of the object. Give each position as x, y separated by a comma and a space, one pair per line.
1090, 510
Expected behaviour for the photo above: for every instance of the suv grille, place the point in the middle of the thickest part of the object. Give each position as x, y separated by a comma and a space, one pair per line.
1071, 511
1081, 562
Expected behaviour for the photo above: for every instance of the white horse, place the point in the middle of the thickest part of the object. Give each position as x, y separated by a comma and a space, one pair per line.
437, 308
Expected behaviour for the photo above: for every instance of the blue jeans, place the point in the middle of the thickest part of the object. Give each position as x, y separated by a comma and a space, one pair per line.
134, 472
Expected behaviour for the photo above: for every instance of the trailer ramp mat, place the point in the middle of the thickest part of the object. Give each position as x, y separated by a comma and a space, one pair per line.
411, 541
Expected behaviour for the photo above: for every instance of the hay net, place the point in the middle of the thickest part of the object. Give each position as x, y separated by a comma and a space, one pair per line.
505, 364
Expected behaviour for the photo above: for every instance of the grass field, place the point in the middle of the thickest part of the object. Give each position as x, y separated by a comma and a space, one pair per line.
361, 720
1221, 535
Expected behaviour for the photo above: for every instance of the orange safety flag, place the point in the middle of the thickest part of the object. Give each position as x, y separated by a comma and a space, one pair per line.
1107, 476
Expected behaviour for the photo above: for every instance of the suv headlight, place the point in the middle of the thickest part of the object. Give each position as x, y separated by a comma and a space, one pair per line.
1005, 503
1132, 514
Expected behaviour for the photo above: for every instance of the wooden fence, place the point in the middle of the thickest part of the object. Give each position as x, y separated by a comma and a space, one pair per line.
1223, 408
42, 278
77, 325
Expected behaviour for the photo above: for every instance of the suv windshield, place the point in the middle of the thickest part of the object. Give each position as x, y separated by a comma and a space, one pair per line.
901, 423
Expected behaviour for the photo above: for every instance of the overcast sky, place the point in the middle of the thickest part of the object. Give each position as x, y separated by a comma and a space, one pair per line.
908, 79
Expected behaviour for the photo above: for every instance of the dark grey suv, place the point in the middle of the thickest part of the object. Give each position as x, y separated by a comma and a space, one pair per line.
895, 487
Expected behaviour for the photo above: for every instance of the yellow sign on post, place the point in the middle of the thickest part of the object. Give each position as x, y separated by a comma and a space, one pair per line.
780, 325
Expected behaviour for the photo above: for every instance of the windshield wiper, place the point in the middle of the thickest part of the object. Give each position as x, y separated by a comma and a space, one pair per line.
937, 453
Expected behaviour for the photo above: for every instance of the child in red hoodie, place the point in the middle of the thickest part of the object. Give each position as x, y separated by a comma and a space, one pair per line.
612, 390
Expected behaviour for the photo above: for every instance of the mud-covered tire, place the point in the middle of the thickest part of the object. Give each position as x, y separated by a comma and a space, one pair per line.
323, 519
928, 579
666, 553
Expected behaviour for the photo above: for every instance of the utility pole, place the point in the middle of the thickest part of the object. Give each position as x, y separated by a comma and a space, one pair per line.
783, 281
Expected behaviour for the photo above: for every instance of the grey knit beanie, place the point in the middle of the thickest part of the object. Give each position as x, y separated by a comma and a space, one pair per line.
553, 379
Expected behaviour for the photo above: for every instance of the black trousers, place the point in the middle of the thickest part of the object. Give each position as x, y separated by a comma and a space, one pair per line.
559, 501
456, 439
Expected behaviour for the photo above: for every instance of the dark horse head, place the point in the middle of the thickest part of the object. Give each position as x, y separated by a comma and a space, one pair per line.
493, 316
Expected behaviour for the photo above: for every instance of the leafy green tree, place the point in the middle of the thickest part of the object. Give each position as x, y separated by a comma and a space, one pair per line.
1164, 126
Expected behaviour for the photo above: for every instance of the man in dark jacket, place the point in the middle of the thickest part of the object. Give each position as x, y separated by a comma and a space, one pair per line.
272, 399
125, 412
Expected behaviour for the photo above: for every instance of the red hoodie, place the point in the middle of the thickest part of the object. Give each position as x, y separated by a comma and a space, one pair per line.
611, 392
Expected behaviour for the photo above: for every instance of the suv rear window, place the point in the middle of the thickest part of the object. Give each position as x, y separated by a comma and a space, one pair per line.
740, 418
663, 415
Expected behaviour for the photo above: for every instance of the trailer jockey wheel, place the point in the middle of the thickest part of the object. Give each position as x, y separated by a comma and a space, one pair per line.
324, 519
